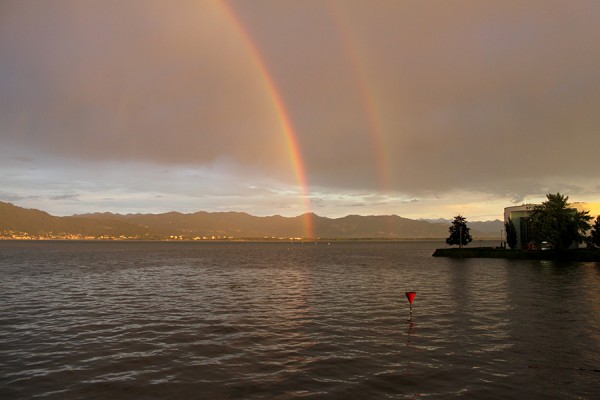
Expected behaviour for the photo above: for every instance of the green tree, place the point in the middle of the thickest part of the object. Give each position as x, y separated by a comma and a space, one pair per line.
555, 222
595, 233
511, 234
459, 232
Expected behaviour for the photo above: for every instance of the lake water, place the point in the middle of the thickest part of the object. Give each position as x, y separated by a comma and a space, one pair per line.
98, 320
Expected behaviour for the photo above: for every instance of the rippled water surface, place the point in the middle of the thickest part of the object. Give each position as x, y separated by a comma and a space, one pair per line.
97, 320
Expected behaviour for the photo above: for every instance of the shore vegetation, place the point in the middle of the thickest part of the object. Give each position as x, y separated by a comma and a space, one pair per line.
459, 232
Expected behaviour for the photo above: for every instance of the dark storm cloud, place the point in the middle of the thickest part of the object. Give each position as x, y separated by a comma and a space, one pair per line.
498, 97
145, 80
474, 95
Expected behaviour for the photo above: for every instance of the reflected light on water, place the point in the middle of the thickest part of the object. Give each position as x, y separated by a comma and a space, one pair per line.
251, 320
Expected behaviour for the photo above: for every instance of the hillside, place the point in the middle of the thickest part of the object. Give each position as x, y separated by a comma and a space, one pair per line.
237, 225
36, 223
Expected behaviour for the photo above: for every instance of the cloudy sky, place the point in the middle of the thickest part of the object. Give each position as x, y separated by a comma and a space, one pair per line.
423, 109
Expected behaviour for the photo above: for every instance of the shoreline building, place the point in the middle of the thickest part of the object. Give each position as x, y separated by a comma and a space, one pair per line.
520, 216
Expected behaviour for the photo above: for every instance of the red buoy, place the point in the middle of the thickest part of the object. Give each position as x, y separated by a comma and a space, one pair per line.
411, 297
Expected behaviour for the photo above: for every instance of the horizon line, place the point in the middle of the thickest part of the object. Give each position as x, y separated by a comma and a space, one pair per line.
303, 215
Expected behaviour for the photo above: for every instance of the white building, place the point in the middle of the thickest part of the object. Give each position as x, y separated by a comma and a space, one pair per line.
520, 215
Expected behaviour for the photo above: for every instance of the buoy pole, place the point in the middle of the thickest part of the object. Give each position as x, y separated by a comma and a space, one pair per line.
411, 297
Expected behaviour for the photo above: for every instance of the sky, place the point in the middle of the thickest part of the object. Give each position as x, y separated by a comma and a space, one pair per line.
422, 109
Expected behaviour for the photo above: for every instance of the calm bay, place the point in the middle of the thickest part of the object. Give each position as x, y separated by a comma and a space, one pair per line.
287, 320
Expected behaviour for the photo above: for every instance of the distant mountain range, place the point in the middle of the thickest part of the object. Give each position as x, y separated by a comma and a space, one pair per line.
17, 222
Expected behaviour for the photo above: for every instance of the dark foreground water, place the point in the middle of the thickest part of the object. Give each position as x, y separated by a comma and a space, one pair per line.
97, 320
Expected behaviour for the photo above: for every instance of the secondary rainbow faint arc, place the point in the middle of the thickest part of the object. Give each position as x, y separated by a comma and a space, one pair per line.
282, 113
367, 93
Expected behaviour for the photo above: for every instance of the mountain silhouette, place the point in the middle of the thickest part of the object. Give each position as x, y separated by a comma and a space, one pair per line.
237, 225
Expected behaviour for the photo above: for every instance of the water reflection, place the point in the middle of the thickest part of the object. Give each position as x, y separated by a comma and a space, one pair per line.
481, 302
261, 321
590, 298
411, 327
549, 325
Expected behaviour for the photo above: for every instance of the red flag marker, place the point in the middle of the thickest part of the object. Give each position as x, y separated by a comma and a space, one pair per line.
411, 297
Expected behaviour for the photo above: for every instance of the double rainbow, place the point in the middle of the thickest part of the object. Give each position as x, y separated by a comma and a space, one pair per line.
364, 86
282, 113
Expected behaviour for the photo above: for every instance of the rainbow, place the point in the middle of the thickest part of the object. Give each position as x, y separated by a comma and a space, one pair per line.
282, 113
367, 93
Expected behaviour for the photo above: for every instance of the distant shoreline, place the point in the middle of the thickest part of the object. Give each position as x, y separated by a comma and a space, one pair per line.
233, 240
494, 252
22, 223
